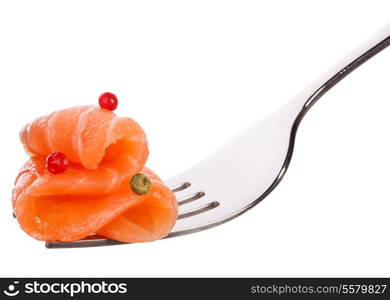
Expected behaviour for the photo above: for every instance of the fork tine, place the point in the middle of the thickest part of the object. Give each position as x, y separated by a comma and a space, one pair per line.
199, 210
191, 198
83, 243
181, 187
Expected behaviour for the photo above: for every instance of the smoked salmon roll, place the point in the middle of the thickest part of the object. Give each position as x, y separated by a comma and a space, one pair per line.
94, 194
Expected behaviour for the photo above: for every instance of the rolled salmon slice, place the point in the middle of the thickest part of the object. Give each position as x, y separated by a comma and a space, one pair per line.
149, 219
93, 196
88, 135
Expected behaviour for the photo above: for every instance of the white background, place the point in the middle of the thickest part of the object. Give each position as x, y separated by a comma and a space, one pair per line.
193, 73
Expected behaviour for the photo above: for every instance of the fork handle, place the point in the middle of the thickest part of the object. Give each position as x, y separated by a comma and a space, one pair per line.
302, 102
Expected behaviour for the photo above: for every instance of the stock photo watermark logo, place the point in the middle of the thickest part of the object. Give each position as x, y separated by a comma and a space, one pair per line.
71, 288
12, 290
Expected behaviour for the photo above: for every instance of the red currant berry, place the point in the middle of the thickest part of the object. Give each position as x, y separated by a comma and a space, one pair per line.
57, 163
108, 101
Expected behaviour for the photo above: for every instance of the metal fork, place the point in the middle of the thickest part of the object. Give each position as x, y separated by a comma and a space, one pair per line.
248, 168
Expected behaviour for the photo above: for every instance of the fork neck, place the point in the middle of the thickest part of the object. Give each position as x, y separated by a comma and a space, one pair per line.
302, 102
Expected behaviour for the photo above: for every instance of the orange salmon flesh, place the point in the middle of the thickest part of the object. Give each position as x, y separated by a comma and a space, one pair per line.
93, 195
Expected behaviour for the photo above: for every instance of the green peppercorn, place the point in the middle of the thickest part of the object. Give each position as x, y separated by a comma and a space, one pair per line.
140, 184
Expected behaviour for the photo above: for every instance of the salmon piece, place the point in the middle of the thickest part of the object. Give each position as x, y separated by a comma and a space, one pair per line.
88, 135
147, 220
93, 196
103, 150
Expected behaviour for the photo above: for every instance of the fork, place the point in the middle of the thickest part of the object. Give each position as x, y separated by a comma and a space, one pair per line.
209, 194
